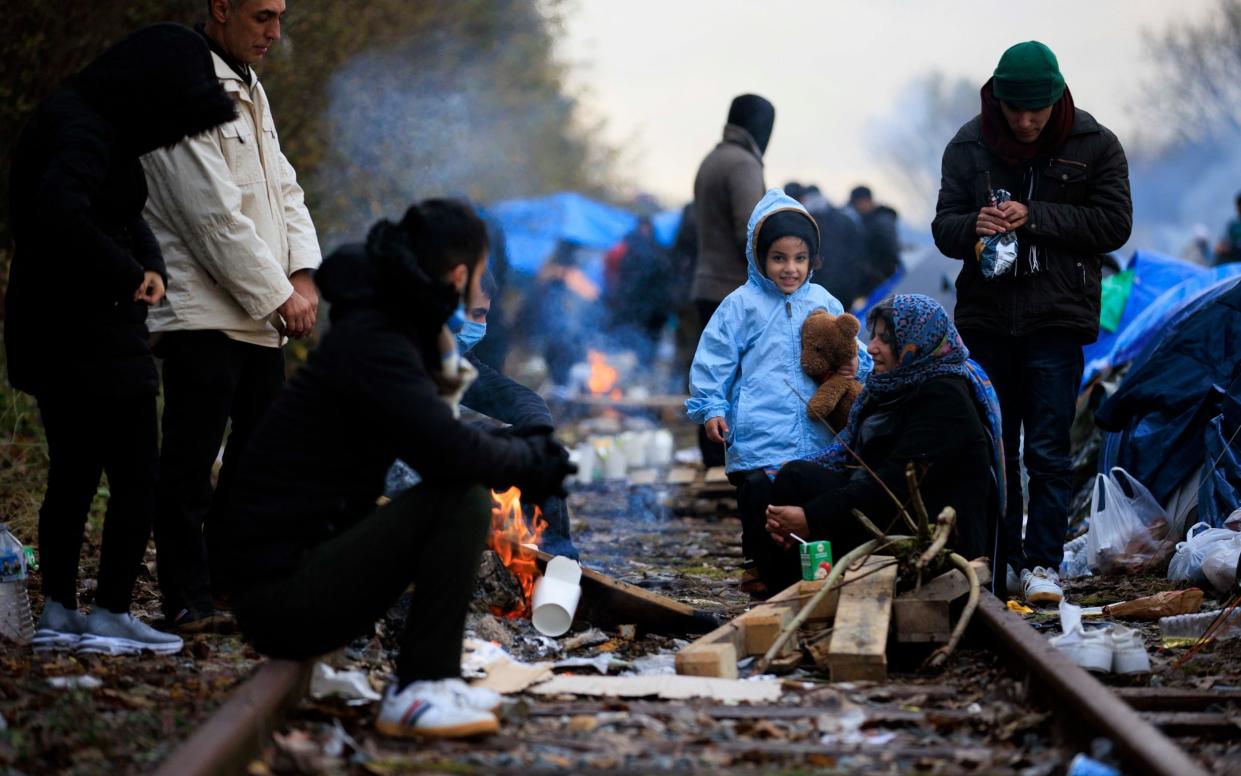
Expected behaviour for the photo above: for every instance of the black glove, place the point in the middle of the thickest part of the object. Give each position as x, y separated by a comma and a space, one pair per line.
547, 471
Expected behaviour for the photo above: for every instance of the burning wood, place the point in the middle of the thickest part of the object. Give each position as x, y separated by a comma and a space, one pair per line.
513, 541
603, 376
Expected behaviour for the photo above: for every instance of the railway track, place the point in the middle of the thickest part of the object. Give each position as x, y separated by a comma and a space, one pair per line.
1138, 720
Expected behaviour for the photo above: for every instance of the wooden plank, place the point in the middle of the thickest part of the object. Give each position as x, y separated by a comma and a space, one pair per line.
715, 476
682, 475
924, 615
736, 632
236, 732
1206, 724
1175, 698
714, 660
643, 477
763, 628
610, 602
859, 640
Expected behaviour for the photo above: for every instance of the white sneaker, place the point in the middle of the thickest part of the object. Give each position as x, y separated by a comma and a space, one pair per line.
1011, 579
114, 633
59, 628
1092, 650
1128, 651
1041, 586
437, 709
479, 698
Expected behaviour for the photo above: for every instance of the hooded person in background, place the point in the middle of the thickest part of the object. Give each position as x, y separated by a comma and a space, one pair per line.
728, 186
308, 559
1069, 181
85, 270
232, 222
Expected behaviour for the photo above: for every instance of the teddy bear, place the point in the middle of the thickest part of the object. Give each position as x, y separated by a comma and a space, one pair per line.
829, 342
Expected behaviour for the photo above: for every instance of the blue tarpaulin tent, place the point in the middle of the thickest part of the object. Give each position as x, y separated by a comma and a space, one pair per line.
1177, 410
533, 227
1162, 285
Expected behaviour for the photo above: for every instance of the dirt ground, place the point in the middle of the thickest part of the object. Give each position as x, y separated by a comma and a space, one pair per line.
971, 717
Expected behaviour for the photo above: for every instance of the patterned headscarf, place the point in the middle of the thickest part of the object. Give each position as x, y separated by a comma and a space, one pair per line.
927, 345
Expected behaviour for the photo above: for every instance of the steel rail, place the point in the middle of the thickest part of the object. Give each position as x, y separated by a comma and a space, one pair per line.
1078, 695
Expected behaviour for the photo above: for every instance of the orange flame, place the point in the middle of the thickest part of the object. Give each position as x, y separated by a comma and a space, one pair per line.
509, 536
602, 375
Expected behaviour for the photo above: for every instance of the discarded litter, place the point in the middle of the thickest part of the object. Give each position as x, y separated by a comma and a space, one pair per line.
599, 663
666, 687
587, 638
1152, 607
83, 681
656, 665
352, 686
1184, 629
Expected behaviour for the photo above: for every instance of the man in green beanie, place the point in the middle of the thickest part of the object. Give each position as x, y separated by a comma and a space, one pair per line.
1070, 203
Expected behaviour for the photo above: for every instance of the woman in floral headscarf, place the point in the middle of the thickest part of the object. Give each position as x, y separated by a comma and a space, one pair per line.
925, 402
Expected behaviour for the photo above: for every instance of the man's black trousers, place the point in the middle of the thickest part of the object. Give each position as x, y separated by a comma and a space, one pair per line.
210, 381
88, 435
427, 536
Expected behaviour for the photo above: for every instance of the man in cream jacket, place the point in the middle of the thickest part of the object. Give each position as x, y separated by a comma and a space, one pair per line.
240, 248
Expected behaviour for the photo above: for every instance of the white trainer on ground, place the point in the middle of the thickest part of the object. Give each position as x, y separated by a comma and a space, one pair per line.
1092, 650
1128, 651
59, 628
113, 633
479, 698
1041, 586
437, 709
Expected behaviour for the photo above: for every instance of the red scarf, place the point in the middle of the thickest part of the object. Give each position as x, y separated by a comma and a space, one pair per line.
997, 137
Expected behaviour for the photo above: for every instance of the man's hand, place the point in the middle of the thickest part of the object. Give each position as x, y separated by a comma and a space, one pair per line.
298, 316
1015, 214
717, 430
304, 284
151, 290
991, 221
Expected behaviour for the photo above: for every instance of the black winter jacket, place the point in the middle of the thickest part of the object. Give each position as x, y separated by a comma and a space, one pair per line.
936, 426
316, 463
76, 196
1080, 209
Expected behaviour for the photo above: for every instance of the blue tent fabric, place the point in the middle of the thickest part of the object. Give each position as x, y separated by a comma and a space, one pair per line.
533, 227
1174, 404
1154, 275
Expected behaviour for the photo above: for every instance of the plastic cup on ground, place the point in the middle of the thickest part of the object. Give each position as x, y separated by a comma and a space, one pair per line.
556, 595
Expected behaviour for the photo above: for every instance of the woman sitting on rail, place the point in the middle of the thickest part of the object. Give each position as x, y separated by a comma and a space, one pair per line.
925, 402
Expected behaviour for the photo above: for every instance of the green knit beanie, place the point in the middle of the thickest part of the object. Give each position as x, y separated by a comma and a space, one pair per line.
1028, 76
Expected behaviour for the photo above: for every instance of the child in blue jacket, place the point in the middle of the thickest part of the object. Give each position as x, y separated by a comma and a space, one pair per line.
746, 382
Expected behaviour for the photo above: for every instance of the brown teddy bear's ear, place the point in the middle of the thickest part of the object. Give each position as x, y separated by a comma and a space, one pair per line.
813, 321
849, 325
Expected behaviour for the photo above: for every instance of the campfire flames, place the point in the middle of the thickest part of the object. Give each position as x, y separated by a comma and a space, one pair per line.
603, 376
508, 539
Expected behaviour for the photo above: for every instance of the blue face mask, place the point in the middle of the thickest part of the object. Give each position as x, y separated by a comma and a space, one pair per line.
457, 319
470, 335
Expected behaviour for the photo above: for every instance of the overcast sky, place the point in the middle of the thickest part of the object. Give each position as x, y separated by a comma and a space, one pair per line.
661, 74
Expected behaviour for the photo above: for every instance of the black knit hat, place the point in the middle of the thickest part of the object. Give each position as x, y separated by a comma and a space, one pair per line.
787, 223
755, 115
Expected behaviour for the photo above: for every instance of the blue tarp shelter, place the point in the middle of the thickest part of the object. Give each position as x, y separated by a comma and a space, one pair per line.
1177, 408
1162, 286
533, 227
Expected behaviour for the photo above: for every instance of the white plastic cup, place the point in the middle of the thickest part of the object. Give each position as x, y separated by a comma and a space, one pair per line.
633, 445
614, 464
556, 595
585, 460
659, 450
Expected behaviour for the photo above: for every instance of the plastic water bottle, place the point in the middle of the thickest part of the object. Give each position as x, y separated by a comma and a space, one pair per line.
1182, 630
16, 621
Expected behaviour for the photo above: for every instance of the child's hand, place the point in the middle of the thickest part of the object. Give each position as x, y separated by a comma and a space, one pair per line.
783, 521
717, 429
151, 290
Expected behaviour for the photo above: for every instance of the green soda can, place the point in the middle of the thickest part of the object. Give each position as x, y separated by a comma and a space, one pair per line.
816, 560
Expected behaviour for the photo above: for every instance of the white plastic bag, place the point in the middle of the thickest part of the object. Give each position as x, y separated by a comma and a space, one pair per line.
1129, 531
1187, 562
1219, 563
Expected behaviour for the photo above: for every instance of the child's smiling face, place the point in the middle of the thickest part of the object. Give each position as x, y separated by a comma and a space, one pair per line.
788, 263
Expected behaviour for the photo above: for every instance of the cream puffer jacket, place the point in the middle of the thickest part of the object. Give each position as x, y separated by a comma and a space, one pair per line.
231, 221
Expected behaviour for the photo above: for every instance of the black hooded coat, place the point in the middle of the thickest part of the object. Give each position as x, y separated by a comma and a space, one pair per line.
366, 396
76, 196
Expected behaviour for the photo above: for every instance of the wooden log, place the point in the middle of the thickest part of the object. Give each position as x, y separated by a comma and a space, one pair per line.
859, 640
715, 660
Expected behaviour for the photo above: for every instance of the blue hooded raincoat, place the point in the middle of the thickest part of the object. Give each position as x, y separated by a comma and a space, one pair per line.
749, 355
